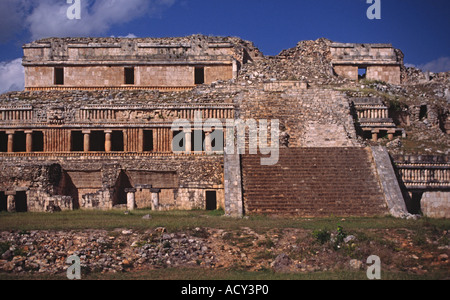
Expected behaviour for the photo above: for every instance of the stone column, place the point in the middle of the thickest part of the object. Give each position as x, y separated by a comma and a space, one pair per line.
11, 201
141, 140
375, 135
208, 146
29, 141
10, 141
187, 140
87, 134
131, 198
235, 69
391, 135
155, 198
108, 140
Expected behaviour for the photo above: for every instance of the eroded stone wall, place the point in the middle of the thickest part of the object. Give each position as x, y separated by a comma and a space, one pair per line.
98, 182
389, 74
436, 204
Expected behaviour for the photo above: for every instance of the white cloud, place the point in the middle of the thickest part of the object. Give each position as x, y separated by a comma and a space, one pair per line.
12, 76
436, 66
48, 18
410, 65
128, 36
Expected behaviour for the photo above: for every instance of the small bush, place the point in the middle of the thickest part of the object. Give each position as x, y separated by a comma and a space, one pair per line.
4, 246
322, 236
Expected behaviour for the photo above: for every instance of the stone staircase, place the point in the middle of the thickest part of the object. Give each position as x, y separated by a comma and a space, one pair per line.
313, 182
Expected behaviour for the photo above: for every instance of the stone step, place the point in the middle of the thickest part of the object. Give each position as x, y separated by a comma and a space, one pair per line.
313, 181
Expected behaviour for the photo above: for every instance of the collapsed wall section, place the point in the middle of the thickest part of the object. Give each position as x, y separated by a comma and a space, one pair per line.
308, 117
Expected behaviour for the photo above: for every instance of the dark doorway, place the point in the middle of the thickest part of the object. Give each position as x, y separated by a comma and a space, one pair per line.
122, 183
211, 200
59, 76
199, 75
129, 75
3, 142
97, 141
148, 140
3, 202
423, 112
367, 135
117, 141
77, 141
413, 204
38, 141
21, 202
66, 187
20, 141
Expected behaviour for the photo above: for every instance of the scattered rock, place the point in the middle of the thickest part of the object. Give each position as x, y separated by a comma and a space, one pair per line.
349, 239
356, 264
282, 263
443, 257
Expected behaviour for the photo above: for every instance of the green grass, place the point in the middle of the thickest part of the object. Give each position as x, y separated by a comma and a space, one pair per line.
180, 220
201, 275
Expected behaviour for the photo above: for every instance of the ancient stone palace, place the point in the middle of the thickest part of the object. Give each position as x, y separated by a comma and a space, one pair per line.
94, 129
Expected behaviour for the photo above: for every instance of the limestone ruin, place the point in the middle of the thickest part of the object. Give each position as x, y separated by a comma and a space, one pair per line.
93, 128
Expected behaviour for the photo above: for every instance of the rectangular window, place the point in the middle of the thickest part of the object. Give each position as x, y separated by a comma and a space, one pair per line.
38, 141
97, 141
59, 76
362, 71
129, 75
148, 140
19, 142
117, 144
77, 141
199, 75
3, 142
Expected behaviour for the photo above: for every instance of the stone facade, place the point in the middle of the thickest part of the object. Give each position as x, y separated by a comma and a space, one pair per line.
94, 127
89, 63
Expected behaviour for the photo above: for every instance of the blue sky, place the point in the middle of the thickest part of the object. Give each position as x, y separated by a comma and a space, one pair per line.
419, 28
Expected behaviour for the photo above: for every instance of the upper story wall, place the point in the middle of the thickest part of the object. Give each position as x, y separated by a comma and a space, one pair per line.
69, 63
371, 61
347, 53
